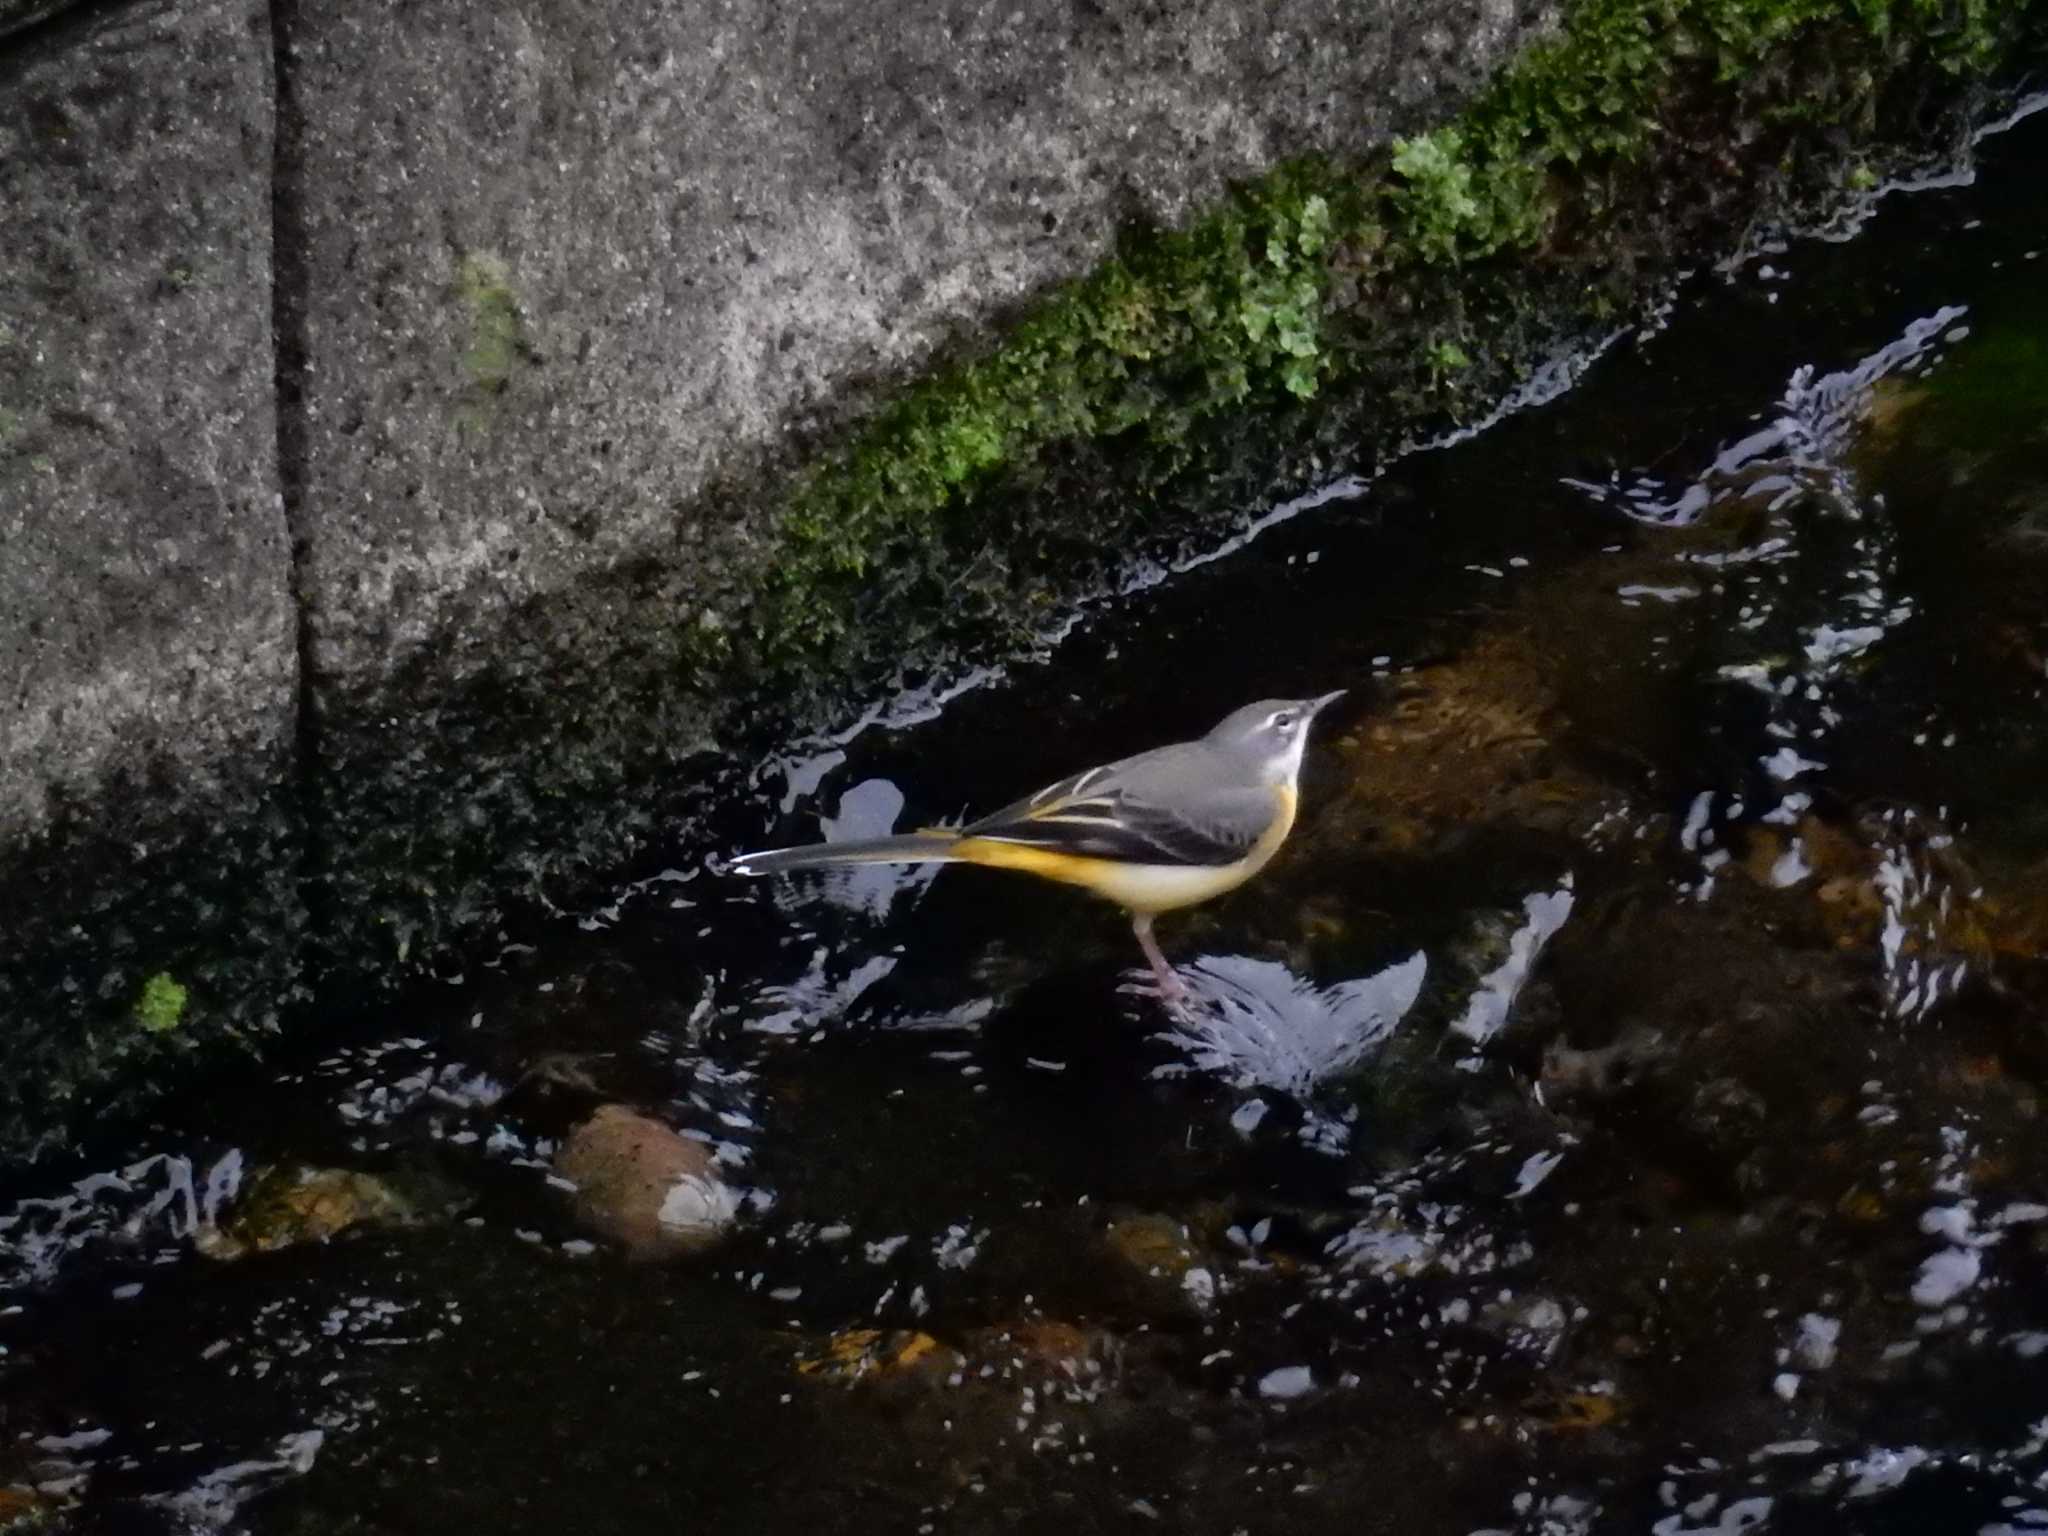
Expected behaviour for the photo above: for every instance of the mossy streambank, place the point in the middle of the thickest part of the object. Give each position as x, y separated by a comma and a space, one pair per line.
1332, 311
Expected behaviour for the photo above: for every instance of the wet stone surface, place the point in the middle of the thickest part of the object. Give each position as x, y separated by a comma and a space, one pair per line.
1619, 1108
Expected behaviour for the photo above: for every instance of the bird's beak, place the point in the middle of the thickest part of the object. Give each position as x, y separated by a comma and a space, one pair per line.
1316, 706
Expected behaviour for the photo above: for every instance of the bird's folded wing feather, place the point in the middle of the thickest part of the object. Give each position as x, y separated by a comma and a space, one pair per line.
1118, 821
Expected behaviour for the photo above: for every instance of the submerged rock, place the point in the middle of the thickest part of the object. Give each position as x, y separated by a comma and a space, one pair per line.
655, 1192
1043, 1345
1468, 742
1154, 1245
867, 1354
1604, 1071
287, 1205
26, 1509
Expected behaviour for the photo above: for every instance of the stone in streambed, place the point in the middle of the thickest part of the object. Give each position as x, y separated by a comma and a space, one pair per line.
638, 1182
287, 1205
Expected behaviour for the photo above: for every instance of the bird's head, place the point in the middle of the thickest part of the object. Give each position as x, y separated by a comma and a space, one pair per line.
1270, 735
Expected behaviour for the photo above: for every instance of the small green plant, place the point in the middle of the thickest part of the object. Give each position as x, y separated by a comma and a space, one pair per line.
1446, 357
1459, 203
1281, 307
162, 1004
1438, 198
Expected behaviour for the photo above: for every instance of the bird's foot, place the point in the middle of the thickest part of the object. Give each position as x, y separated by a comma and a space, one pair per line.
1172, 990
1168, 990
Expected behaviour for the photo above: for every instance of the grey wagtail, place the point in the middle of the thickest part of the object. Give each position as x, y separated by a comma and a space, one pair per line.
1165, 829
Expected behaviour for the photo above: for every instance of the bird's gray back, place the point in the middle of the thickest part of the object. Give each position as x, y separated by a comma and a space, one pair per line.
1192, 803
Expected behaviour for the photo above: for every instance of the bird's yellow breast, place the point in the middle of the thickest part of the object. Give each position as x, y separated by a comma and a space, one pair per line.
1141, 888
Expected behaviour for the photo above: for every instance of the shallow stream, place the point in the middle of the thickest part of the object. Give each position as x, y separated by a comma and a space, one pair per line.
1619, 1108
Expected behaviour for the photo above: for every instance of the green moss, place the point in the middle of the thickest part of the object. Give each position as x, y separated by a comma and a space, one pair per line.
1452, 204
1280, 290
497, 347
162, 1004
1176, 329
1447, 357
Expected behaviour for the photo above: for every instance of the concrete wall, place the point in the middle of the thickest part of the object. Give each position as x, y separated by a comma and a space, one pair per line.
145, 608
568, 263
148, 637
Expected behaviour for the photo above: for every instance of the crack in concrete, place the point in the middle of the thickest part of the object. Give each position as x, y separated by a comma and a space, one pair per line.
52, 28
290, 348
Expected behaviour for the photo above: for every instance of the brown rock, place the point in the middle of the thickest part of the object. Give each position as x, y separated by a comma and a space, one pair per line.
1153, 1245
644, 1186
25, 1508
869, 1354
1043, 1346
285, 1206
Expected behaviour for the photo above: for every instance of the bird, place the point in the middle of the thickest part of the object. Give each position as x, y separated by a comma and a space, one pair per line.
1165, 829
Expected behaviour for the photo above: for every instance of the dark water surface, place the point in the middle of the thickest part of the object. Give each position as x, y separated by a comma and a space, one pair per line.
1619, 1108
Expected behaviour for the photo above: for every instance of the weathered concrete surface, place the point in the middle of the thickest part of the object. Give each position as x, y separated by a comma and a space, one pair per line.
580, 279
144, 605
147, 638
571, 264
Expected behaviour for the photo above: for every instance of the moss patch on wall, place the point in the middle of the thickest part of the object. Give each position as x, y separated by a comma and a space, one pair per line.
1594, 159
161, 1007
495, 347
118, 988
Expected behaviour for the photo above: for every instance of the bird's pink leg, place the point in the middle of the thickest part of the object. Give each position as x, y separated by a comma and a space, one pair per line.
1171, 987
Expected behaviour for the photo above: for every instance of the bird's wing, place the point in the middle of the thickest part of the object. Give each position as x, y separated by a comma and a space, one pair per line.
1082, 788
1114, 813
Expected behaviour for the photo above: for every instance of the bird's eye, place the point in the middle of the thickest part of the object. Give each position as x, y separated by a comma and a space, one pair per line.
1284, 720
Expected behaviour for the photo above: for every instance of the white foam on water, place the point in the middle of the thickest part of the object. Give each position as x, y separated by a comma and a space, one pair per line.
1486, 1013
1256, 1024
1289, 1381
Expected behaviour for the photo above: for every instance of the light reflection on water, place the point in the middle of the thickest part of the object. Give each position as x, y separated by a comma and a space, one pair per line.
1814, 637
1255, 1024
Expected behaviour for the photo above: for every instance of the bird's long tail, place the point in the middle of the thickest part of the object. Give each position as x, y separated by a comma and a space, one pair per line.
913, 848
